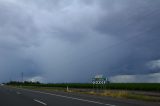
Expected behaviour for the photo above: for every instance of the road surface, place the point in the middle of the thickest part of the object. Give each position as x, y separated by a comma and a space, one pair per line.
23, 97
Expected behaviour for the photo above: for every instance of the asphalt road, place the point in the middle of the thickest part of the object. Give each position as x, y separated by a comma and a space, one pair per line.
23, 97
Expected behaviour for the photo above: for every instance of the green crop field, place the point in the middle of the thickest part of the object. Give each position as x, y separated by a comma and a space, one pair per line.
119, 86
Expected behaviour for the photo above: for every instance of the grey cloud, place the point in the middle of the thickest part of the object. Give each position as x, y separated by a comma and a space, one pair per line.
137, 26
61, 40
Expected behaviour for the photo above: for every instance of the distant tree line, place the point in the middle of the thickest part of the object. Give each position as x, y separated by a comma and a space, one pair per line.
22, 83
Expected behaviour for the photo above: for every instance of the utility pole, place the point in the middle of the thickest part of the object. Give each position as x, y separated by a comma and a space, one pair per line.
22, 76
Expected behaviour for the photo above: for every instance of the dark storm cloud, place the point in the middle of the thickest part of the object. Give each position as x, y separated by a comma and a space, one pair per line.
137, 27
71, 41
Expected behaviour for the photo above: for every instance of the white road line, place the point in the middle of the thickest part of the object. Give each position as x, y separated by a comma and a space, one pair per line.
68, 97
18, 93
40, 102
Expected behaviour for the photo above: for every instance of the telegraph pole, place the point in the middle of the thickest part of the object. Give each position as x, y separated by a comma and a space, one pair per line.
22, 76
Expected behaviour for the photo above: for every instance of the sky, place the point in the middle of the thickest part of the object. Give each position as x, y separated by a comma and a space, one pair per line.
58, 41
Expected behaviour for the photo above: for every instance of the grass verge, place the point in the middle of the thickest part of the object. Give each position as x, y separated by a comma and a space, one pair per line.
109, 93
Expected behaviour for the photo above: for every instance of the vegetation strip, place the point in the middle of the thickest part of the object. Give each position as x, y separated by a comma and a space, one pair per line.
114, 86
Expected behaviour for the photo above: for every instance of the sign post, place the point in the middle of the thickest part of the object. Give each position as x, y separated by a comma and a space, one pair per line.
99, 81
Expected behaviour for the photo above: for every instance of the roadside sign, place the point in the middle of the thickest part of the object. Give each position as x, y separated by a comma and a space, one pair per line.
99, 79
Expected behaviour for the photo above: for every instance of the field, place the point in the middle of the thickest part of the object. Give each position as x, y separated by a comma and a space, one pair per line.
112, 86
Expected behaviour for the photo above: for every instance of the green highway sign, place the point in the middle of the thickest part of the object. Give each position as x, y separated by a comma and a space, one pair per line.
99, 79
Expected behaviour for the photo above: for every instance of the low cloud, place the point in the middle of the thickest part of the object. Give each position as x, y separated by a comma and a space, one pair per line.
145, 78
155, 64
